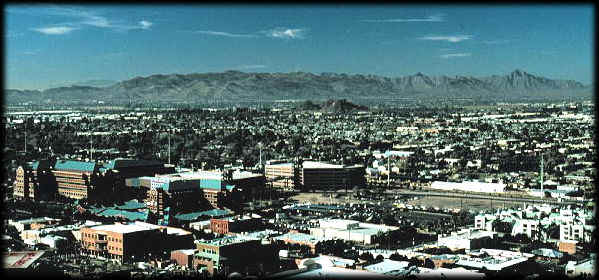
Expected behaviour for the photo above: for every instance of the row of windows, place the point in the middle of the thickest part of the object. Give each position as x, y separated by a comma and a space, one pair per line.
72, 194
114, 239
115, 248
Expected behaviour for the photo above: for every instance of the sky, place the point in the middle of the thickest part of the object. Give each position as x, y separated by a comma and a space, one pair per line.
53, 45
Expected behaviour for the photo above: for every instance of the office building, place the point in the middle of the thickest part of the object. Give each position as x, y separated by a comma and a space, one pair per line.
133, 242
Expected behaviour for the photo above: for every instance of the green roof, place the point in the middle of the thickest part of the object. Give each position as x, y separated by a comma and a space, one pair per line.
75, 165
210, 213
129, 215
131, 205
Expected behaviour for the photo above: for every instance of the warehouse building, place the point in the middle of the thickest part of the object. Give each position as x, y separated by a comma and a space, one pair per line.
467, 239
350, 230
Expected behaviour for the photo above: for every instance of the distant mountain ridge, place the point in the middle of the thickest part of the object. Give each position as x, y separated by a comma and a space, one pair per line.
235, 86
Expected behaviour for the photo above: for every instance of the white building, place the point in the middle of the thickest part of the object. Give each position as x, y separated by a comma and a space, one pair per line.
468, 239
469, 186
493, 259
587, 267
349, 230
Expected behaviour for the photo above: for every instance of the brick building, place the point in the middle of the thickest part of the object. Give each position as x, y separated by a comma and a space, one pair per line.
230, 254
132, 242
75, 179
183, 257
235, 224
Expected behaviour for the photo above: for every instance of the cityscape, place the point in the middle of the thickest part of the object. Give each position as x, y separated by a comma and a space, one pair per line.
298, 167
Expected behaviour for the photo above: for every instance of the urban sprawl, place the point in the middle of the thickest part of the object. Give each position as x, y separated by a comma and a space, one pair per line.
283, 192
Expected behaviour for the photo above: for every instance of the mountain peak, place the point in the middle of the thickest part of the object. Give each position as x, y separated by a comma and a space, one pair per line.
518, 72
235, 85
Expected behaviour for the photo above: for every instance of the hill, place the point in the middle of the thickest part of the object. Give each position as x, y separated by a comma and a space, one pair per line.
231, 86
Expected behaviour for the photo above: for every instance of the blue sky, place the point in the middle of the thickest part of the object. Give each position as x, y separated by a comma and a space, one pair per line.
52, 45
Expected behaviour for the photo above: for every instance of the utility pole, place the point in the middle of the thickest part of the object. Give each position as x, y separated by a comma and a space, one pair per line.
542, 181
260, 146
169, 146
25, 137
388, 170
91, 149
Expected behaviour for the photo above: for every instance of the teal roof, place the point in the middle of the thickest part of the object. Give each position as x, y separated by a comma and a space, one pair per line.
131, 205
298, 237
210, 213
129, 215
214, 184
75, 165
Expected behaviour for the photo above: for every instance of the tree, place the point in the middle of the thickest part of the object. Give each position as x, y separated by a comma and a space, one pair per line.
367, 256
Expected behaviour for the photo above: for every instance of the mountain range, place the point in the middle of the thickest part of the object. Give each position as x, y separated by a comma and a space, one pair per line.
235, 86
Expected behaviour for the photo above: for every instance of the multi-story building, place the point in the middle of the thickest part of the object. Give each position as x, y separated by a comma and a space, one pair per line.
314, 175
319, 175
132, 242
235, 224
226, 255
537, 222
34, 181
116, 172
280, 174
75, 179
169, 194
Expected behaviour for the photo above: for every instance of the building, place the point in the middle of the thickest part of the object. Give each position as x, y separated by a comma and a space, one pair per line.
467, 239
34, 181
387, 266
224, 187
75, 179
315, 175
303, 239
117, 171
183, 257
495, 260
281, 174
469, 186
132, 242
319, 175
34, 223
131, 168
236, 224
20, 260
350, 230
583, 268
567, 246
229, 254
